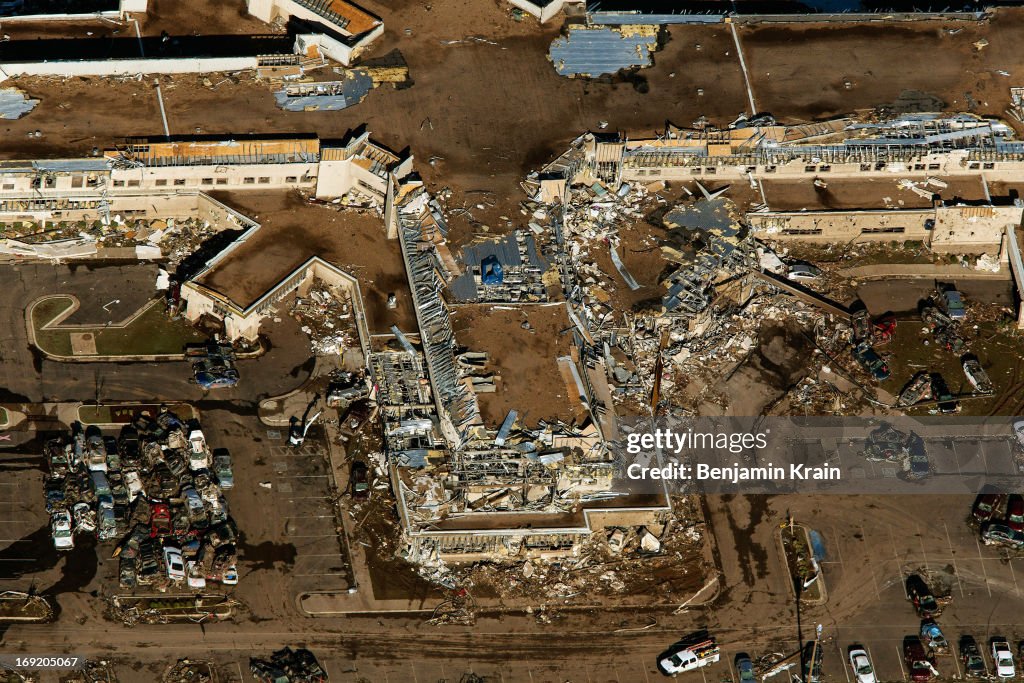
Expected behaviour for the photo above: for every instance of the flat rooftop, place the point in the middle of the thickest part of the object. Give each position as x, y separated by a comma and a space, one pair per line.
292, 231
532, 381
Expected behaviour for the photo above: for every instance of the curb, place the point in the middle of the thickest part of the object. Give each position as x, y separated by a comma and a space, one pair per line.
822, 588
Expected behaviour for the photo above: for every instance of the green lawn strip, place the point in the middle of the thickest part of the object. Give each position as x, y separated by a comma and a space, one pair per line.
152, 333
94, 414
55, 341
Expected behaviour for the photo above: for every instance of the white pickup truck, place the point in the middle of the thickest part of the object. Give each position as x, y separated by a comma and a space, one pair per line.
688, 656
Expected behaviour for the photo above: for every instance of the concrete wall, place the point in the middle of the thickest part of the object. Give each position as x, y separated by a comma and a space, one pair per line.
543, 13
214, 177
339, 177
953, 229
134, 6
127, 67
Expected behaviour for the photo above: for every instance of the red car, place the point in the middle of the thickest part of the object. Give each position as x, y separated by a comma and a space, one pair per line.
1015, 512
159, 519
918, 662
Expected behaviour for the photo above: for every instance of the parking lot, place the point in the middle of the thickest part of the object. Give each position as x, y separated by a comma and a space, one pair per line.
23, 522
284, 506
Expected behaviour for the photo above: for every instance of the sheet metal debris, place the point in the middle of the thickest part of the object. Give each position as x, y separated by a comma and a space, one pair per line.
326, 95
592, 51
15, 103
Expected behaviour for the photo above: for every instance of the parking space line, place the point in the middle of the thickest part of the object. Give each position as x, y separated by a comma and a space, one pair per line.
312, 536
871, 660
642, 668
984, 658
956, 570
846, 663
956, 663
923, 553
839, 550
899, 658
984, 571
867, 561
1013, 575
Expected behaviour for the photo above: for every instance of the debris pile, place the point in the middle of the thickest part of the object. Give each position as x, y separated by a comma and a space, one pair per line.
907, 449
190, 671
326, 315
288, 666
158, 483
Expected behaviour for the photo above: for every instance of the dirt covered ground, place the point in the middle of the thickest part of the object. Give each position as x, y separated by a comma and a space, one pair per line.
524, 360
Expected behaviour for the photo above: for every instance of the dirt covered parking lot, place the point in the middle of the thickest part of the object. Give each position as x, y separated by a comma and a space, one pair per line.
870, 548
282, 503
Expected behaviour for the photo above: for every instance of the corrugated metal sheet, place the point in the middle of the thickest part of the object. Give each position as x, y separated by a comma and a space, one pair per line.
326, 96
15, 103
590, 51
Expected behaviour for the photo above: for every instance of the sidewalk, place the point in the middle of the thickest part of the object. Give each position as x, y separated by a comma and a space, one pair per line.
924, 270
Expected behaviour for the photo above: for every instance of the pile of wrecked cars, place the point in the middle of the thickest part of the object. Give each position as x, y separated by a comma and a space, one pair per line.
153, 488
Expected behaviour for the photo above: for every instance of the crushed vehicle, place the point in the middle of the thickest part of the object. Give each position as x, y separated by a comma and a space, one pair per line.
998, 533
60, 526
933, 638
952, 303
872, 363
940, 390
174, 563
213, 365
861, 665
971, 659
921, 596
688, 655
976, 375
919, 664
917, 465
359, 479
917, 390
988, 506
745, 668
222, 468
1015, 512
883, 329
291, 666
85, 517
860, 322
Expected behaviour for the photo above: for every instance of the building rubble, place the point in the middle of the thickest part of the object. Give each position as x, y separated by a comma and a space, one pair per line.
468, 492
326, 315
713, 301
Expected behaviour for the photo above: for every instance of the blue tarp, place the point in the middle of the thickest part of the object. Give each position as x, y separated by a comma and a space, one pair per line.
817, 546
490, 271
